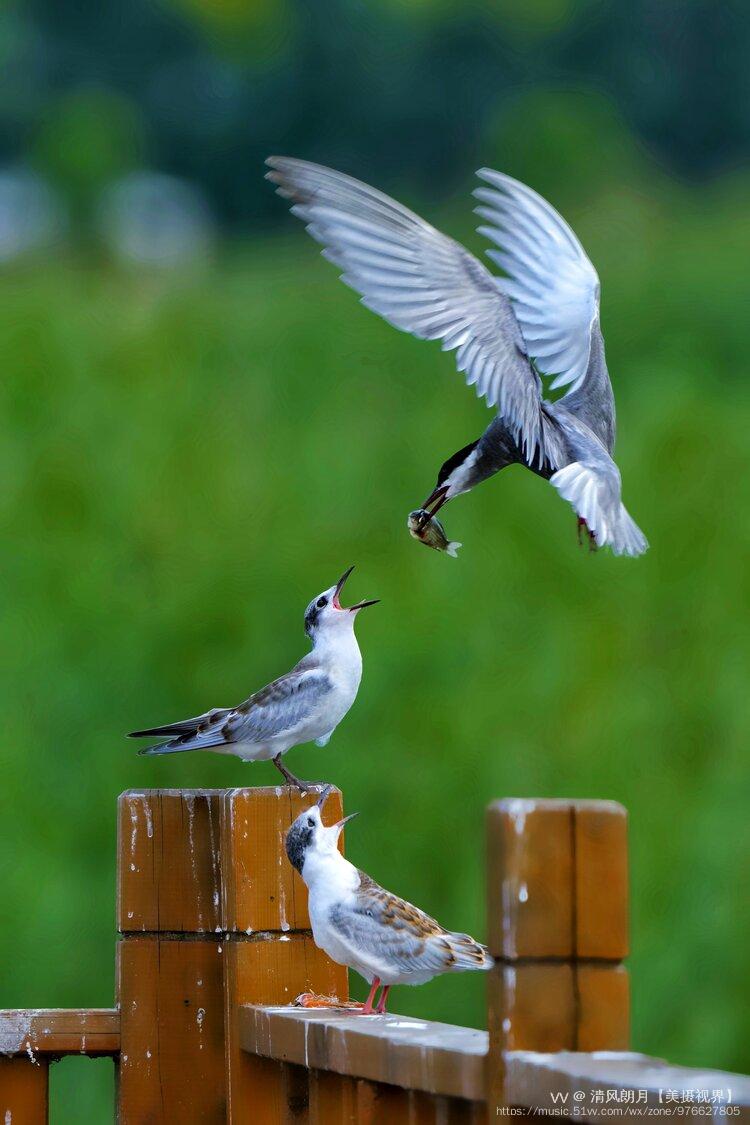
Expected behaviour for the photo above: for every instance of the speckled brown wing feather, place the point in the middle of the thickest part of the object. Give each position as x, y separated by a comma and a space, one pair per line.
382, 927
394, 911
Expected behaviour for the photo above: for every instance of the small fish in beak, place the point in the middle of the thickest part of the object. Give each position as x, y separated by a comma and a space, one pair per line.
429, 530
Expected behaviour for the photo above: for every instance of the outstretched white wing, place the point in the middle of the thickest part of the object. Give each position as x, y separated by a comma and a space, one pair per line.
591, 483
420, 281
552, 283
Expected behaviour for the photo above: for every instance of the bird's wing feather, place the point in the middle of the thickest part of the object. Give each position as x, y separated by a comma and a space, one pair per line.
591, 483
274, 709
278, 707
419, 280
553, 285
380, 927
182, 726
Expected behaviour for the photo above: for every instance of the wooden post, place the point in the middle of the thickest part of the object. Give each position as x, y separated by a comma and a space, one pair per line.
211, 915
270, 957
169, 963
558, 929
24, 1090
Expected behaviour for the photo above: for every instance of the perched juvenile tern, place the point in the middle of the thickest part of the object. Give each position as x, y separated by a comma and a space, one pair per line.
306, 704
359, 924
542, 317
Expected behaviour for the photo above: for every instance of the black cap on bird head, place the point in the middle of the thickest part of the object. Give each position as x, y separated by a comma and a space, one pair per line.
327, 609
309, 832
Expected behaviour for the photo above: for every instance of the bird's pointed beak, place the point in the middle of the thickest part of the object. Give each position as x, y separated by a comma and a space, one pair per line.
327, 790
436, 497
340, 587
362, 605
340, 823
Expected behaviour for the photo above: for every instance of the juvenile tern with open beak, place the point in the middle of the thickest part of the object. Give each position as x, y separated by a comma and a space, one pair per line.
305, 705
542, 317
359, 924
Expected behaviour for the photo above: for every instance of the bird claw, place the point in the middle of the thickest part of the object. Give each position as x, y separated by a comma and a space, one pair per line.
582, 525
309, 786
298, 783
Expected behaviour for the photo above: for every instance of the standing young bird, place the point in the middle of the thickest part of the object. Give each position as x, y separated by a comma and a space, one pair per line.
359, 924
306, 704
544, 316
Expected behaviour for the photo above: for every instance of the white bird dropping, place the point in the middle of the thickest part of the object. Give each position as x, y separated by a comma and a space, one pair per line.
360, 924
305, 705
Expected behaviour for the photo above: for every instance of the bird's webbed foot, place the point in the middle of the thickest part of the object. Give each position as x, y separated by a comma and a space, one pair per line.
290, 779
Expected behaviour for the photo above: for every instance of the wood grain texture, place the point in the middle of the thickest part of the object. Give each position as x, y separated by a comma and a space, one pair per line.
212, 913
399, 1051
171, 1064
262, 891
168, 869
601, 877
332, 1098
557, 894
530, 889
603, 1008
531, 1077
533, 1007
60, 1031
270, 955
24, 1091
268, 971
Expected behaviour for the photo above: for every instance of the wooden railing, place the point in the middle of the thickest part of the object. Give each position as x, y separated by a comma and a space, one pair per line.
215, 945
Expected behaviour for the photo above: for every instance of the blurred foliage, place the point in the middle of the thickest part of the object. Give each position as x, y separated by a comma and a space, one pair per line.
395, 90
188, 457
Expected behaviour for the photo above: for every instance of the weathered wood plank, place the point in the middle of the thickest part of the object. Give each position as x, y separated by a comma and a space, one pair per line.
603, 994
557, 894
270, 956
601, 880
584, 1080
532, 1005
439, 1061
413, 1054
171, 1065
530, 879
168, 871
170, 968
24, 1091
60, 1031
262, 891
332, 1098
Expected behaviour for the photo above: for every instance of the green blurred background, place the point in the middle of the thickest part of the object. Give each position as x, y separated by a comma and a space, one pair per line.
200, 428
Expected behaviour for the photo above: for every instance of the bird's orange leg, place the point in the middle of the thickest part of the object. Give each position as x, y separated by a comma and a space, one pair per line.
383, 998
368, 1009
315, 1000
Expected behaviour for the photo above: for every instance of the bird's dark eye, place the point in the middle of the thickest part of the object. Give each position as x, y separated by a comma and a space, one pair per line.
310, 822
321, 602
